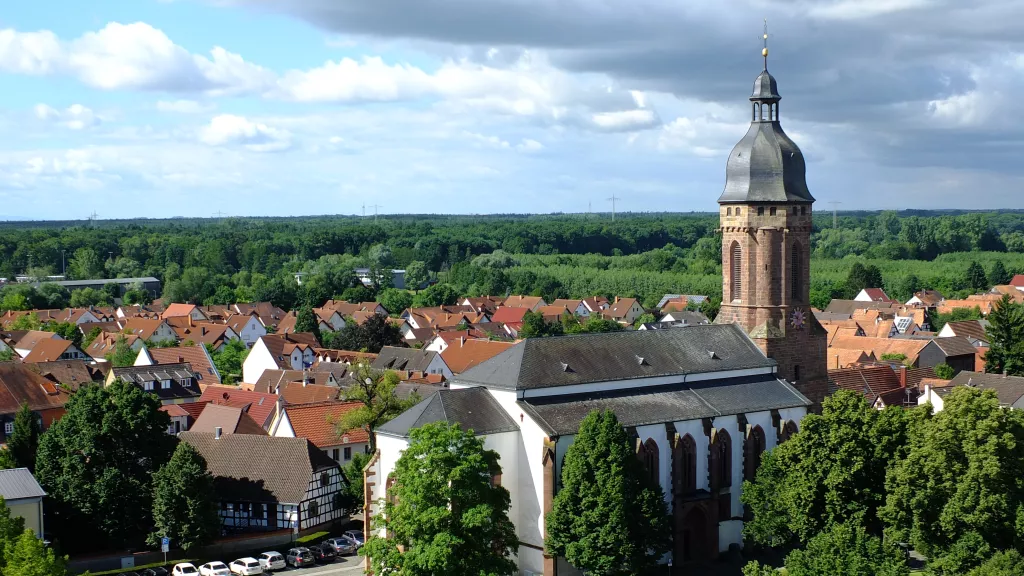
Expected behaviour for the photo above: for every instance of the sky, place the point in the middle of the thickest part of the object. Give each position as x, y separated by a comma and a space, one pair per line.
160, 108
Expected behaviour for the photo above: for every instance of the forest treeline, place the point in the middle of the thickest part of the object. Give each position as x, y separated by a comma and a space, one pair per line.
240, 259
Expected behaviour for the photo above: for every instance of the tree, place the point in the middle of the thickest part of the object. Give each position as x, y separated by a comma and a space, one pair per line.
24, 441
28, 321
1006, 338
66, 330
608, 518
112, 290
122, 355
416, 276
861, 277
1005, 563
976, 278
96, 463
54, 295
86, 297
645, 318
395, 300
353, 495
358, 293
446, 514
847, 550
137, 296
436, 295
184, 500
373, 334
306, 321
29, 556
944, 371
956, 496
6, 355
85, 265
375, 390
93, 334
998, 276
7, 460
229, 360
832, 471
535, 326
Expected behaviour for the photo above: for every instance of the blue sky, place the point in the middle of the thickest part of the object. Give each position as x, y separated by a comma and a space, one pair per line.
288, 107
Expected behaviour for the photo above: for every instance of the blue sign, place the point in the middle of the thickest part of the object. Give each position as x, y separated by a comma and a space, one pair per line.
165, 544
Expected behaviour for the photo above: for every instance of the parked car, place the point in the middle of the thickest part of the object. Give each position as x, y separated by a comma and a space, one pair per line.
215, 568
356, 536
184, 569
158, 571
299, 557
272, 561
323, 553
342, 545
246, 567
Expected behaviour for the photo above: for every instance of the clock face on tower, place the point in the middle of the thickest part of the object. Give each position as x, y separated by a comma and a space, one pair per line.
797, 319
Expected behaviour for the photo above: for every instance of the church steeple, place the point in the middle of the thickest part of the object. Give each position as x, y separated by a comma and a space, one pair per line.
766, 165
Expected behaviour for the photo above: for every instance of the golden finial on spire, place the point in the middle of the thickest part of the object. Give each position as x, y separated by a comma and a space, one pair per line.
764, 51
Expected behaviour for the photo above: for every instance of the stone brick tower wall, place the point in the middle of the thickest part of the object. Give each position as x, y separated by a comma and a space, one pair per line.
771, 296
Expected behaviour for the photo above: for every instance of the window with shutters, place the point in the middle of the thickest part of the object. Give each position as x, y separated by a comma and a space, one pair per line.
796, 272
736, 271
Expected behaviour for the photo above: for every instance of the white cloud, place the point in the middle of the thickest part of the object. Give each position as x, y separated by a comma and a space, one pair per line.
348, 80
704, 136
626, 120
528, 145
183, 106
228, 129
862, 9
75, 117
989, 100
29, 52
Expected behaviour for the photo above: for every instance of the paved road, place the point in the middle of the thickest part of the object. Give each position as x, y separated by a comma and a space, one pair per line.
343, 566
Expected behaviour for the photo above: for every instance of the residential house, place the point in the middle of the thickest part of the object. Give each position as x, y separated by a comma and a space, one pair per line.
227, 419
872, 295
20, 384
1018, 282
216, 336
575, 307
700, 418
880, 385
344, 308
105, 343
316, 422
183, 416
404, 328
685, 318
511, 319
154, 330
24, 498
72, 374
328, 374
463, 354
54, 350
262, 407
624, 311
247, 326
483, 304
984, 307
838, 358
528, 302
553, 313
595, 304
287, 324
279, 351
974, 330
926, 298
848, 307
1009, 389
171, 383
331, 318
136, 310
196, 356
184, 310
24, 341
411, 360
268, 314
267, 483
905, 351
956, 351
348, 357
680, 301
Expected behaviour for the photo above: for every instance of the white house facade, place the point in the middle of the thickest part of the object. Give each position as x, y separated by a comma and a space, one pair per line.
701, 402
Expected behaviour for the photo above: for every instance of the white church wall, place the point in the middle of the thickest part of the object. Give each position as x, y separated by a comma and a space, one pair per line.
657, 433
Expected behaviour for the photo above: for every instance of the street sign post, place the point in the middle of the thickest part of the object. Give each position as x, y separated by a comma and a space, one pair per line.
165, 546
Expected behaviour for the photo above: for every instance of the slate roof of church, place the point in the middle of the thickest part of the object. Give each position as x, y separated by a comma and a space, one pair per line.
560, 415
472, 408
590, 358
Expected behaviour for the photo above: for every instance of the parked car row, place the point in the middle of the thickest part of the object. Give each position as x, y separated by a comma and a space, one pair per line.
326, 551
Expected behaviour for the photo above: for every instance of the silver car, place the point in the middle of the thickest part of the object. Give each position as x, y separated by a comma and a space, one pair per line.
341, 545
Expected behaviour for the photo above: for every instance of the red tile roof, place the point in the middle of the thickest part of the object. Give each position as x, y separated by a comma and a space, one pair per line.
507, 314
20, 384
314, 422
1018, 280
261, 405
48, 350
173, 310
194, 355
869, 381
462, 355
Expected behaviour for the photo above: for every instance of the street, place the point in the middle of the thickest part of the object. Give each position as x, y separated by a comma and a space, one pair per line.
343, 566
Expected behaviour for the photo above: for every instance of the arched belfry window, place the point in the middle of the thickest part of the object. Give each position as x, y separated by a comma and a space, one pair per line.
735, 271
796, 269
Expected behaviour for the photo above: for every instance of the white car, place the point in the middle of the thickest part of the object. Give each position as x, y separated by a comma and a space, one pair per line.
246, 567
272, 561
184, 569
214, 569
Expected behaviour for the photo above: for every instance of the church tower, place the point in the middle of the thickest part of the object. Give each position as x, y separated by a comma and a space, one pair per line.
765, 216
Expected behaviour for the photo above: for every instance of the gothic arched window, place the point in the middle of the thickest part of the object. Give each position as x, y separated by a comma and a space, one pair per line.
649, 457
736, 271
787, 431
753, 449
796, 269
720, 460
684, 462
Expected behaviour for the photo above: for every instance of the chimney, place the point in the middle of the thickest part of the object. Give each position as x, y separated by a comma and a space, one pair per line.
462, 341
217, 432
181, 359
903, 376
